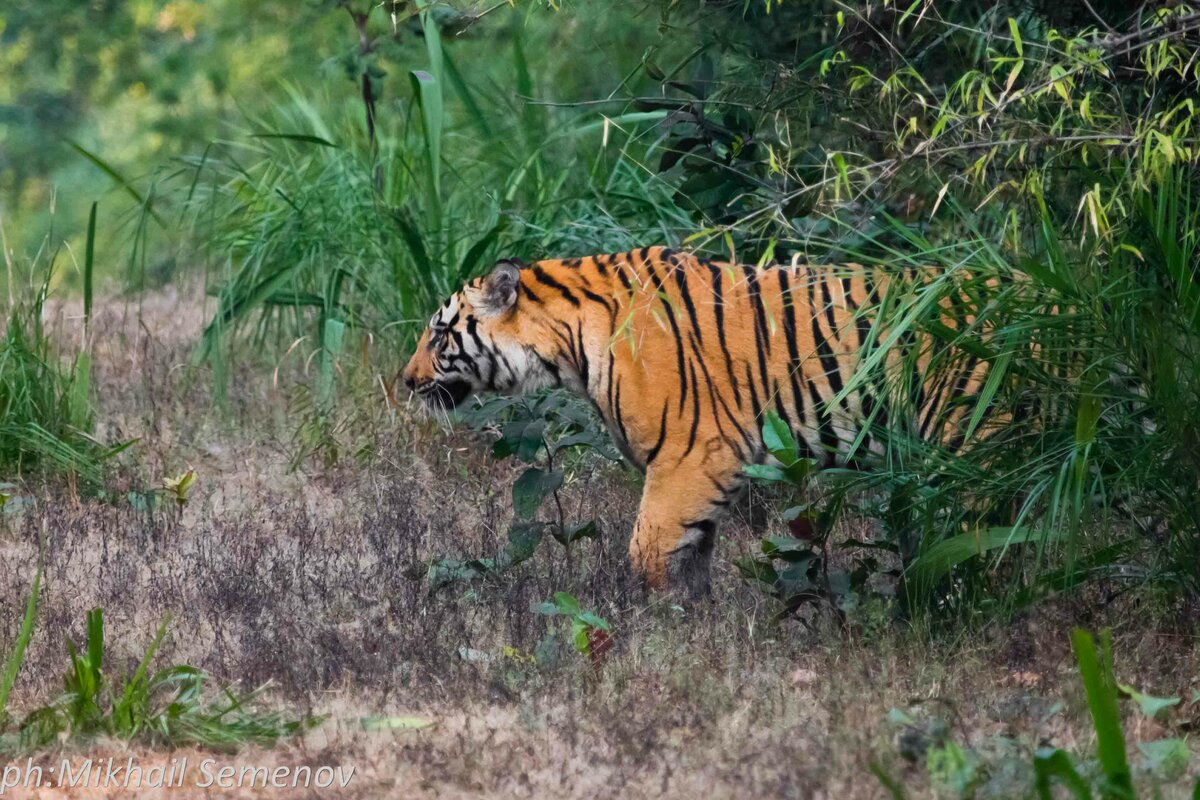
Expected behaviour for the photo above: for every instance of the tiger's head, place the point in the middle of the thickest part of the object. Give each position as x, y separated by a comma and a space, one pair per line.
479, 341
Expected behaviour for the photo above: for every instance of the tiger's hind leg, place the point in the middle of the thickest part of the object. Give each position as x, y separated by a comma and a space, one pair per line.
676, 529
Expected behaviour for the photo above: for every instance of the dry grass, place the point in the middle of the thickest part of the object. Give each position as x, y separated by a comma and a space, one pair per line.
312, 580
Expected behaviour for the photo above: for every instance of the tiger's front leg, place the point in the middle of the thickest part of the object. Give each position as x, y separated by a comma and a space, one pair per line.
676, 528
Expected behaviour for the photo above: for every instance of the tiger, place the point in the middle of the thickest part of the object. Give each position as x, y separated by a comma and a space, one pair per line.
681, 357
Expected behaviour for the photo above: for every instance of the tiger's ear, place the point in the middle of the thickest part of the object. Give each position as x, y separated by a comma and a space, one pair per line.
498, 292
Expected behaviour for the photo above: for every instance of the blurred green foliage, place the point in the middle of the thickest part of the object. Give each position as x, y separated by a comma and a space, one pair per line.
140, 84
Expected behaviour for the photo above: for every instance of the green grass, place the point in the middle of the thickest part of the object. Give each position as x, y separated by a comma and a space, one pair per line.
168, 707
45, 394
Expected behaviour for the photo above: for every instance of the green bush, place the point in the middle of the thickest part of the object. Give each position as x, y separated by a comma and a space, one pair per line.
45, 397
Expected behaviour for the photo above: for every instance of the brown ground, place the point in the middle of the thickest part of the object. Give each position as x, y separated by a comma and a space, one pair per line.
312, 580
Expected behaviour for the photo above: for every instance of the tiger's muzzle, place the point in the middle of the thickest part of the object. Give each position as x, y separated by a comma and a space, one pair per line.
443, 395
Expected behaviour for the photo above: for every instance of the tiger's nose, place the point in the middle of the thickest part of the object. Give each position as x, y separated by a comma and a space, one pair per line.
411, 382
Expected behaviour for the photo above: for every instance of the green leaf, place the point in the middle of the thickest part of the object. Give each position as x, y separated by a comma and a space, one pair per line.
1151, 706
567, 604
108, 170
593, 621
1050, 763
1168, 759
95, 639
522, 438
573, 533
800, 470
523, 541
579, 635
532, 488
428, 88
765, 472
894, 789
1016, 35
80, 391
781, 545
332, 336
755, 569
936, 562
778, 439
471, 260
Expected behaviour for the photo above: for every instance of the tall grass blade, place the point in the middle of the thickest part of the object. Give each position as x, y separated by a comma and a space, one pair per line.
333, 334
16, 656
1100, 686
111, 172
89, 268
467, 97
95, 638
296, 137
429, 88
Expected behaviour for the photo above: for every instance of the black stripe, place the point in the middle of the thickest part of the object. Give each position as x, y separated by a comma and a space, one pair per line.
714, 399
719, 314
795, 368
566, 340
525, 290
825, 353
611, 365
552, 368
662, 437
760, 312
512, 374
695, 413
545, 278
779, 407
618, 420
584, 366
762, 342
620, 269
829, 363
683, 382
610, 305
755, 407
681, 280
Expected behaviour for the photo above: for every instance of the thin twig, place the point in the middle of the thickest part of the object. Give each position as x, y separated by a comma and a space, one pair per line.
1099, 18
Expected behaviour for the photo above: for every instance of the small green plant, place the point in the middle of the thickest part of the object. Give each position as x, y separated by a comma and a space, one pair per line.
545, 432
795, 568
179, 487
167, 707
953, 767
591, 634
